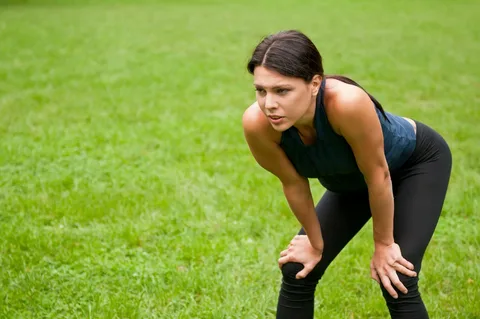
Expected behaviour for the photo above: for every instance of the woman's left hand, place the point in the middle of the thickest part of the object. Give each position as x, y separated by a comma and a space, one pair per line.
386, 261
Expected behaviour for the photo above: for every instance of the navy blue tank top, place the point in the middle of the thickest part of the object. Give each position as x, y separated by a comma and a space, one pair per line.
330, 158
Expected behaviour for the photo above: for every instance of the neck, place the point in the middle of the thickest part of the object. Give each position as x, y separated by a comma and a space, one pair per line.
306, 122
306, 125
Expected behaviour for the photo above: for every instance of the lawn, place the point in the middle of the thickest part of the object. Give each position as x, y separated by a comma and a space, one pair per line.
127, 189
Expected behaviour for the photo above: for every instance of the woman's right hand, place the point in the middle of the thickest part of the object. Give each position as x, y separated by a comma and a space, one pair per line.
301, 251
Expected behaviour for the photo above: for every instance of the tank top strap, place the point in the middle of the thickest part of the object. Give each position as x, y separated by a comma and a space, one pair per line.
322, 125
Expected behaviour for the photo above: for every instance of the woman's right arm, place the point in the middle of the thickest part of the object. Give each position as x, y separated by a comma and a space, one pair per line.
263, 143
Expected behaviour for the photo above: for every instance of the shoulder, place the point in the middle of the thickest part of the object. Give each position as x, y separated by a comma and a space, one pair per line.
346, 104
263, 142
255, 124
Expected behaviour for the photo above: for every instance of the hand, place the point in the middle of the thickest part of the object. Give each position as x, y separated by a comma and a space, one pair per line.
386, 261
301, 251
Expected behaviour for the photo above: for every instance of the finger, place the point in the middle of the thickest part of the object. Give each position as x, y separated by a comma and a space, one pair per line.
396, 282
386, 284
283, 260
297, 237
403, 270
402, 261
283, 253
304, 272
374, 275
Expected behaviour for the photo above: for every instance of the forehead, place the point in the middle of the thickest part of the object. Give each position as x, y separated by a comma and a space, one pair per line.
269, 78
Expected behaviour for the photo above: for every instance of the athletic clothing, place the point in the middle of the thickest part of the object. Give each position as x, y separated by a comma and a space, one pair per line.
330, 159
420, 177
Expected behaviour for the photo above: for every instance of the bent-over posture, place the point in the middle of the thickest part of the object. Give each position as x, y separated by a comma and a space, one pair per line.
372, 163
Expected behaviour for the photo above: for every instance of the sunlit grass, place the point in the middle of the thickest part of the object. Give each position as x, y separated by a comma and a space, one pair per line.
126, 187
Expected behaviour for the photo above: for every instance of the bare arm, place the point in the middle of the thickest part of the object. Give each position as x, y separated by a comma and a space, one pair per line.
355, 117
261, 140
300, 200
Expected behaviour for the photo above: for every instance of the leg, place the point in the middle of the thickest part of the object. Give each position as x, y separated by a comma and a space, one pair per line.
341, 216
419, 191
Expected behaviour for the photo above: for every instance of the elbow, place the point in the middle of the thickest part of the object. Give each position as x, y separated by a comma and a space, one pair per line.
379, 177
386, 174
295, 185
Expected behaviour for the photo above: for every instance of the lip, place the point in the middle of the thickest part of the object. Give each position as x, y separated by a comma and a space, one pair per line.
275, 119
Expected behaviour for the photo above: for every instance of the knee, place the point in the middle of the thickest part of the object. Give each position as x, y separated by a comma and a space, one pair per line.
290, 270
409, 305
411, 283
295, 292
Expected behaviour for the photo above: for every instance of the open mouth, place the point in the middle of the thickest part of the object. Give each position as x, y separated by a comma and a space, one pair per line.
275, 119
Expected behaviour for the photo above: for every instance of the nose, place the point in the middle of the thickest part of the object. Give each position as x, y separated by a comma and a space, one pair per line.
270, 102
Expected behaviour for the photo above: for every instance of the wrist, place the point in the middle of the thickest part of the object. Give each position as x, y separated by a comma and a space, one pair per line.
317, 246
383, 243
315, 237
383, 239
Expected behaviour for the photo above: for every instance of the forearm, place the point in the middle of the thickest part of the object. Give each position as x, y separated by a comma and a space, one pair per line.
300, 200
382, 209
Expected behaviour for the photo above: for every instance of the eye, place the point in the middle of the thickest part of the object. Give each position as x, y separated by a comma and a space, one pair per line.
260, 91
282, 91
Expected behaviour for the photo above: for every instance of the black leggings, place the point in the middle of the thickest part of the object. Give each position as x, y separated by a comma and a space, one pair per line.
419, 189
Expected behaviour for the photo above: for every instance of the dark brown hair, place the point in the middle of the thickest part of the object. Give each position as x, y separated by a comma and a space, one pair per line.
292, 53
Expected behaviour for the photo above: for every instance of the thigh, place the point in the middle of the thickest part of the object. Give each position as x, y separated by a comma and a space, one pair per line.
419, 193
341, 216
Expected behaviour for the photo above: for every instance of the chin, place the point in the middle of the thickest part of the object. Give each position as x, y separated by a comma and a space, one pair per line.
281, 127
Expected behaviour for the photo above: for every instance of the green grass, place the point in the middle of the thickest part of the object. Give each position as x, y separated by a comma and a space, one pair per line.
126, 187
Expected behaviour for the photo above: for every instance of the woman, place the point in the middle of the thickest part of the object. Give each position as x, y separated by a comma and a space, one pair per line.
372, 163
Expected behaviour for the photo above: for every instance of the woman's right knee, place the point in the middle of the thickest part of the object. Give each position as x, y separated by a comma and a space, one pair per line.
296, 293
290, 270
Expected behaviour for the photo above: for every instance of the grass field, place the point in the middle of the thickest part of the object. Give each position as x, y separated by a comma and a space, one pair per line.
127, 189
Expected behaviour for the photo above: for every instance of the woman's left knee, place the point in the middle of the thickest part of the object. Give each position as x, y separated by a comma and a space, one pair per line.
411, 283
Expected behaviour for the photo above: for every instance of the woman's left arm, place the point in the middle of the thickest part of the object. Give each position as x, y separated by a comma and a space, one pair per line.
355, 118
357, 121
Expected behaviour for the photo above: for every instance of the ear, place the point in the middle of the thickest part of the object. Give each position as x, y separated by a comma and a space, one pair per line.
315, 84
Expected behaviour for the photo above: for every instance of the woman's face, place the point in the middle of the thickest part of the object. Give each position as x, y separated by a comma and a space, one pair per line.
286, 101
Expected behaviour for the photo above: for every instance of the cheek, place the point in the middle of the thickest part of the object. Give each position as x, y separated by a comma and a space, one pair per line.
296, 102
260, 100
305, 99
261, 104
296, 105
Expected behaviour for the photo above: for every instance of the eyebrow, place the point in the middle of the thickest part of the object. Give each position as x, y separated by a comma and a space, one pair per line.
281, 86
